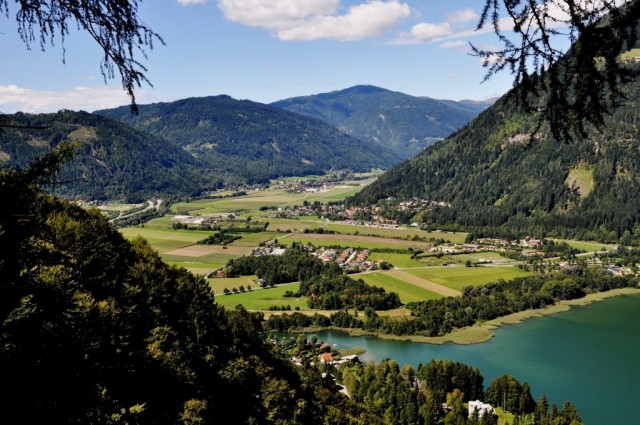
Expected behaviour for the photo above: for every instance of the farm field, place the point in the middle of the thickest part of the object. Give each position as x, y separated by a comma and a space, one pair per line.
219, 284
354, 241
456, 277
259, 198
461, 259
179, 247
407, 292
262, 299
398, 260
588, 246
291, 225
402, 232
412, 280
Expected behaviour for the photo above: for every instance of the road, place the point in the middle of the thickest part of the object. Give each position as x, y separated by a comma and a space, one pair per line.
150, 206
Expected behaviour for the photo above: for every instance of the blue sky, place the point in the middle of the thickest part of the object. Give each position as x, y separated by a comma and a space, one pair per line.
264, 50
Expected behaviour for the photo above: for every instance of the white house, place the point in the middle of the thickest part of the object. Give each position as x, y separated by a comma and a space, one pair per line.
482, 408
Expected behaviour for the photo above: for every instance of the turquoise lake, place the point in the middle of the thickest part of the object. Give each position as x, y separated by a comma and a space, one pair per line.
589, 355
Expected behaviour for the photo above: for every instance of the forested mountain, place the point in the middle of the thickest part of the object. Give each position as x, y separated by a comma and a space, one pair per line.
252, 140
498, 173
112, 161
406, 124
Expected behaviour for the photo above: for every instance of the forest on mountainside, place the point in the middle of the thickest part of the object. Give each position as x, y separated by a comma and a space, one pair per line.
112, 161
253, 141
501, 172
406, 124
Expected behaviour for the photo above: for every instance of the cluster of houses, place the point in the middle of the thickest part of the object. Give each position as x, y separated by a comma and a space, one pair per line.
349, 259
267, 250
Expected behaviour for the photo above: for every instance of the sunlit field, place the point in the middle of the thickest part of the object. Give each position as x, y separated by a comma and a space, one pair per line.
355, 241
406, 291
459, 276
262, 299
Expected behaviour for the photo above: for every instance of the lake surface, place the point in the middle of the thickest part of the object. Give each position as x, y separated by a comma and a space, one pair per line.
589, 355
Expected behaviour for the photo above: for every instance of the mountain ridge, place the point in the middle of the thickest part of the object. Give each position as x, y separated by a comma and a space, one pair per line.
407, 124
112, 161
254, 140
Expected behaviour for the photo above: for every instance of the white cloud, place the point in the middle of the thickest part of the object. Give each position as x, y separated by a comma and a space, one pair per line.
14, 99
365, 20
317, 19
426, 32
463, 16
275, 15
188, 2
429, 32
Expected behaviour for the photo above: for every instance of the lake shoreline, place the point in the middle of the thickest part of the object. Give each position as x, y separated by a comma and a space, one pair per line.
483, 332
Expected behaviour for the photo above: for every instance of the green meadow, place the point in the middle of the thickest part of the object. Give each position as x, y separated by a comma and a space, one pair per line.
260, 198
398, 260
456, 277
406, 291
588, 246
218, 285
399, 233
179, 247
262, 299
354, 241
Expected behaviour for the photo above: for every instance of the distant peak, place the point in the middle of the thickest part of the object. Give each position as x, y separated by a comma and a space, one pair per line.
365, 88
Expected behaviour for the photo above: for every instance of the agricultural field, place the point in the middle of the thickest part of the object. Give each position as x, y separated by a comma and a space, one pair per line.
291, 225
494, 258
398, 260
588, 246
179, 247
455, 277
354, 241
218, 285
429, 276
407, 292
400, 232
255, 199
262, 299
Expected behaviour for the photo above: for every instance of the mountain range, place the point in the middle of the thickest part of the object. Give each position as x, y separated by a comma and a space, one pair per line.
254, 141
406, 124
194, 145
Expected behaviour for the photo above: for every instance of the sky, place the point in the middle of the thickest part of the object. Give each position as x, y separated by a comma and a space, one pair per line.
263, 50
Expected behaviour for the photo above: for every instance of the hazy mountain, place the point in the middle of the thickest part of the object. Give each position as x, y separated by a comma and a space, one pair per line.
496, 172
406, 124
476, 106
113, 160
254, 141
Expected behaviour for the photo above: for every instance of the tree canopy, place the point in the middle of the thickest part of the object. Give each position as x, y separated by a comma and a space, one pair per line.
581, 85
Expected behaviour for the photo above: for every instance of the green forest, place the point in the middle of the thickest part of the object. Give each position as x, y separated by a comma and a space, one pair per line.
503, 173
253, 141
